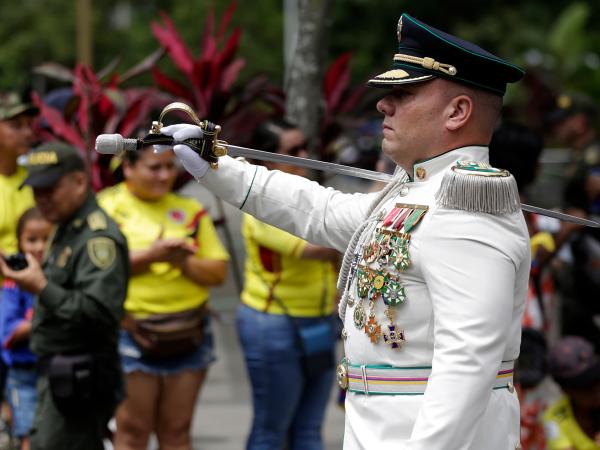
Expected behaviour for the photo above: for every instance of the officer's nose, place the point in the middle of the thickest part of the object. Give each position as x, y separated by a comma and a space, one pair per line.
385, 106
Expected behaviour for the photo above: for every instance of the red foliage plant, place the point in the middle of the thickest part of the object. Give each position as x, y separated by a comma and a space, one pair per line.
96, 106
210, 77
340, 101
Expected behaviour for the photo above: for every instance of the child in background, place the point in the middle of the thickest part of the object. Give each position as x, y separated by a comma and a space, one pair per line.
16, 311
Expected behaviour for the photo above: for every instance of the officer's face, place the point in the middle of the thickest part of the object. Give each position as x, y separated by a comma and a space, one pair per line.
152, 176
16, 135
412, 121
59, 202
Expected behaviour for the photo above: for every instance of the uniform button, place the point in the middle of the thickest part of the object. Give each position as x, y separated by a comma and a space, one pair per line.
421, 173
511, 387
344, 334
404, 191
518, 447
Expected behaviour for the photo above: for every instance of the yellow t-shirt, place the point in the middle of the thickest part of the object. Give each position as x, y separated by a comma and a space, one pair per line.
563, 431
13, 203
274, 271
163, 288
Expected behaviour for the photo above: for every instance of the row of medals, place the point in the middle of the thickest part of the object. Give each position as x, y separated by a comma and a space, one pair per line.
388, 248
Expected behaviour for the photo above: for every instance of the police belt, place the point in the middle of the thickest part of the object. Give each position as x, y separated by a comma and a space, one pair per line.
389, 380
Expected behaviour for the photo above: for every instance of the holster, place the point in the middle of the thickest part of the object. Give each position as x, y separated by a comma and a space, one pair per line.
72, 380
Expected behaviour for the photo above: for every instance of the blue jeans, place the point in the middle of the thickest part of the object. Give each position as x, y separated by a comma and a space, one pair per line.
22, 395
288, 407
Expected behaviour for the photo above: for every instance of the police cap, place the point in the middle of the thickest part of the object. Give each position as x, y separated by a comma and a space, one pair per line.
49, 162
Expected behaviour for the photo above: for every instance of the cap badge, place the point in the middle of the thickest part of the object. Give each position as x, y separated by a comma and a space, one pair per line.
42, 158
399, 30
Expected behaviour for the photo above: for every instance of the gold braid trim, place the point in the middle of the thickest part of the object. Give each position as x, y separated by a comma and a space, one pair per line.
427, 63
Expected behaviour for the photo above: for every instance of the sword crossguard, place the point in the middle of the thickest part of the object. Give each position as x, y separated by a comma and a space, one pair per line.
209, 147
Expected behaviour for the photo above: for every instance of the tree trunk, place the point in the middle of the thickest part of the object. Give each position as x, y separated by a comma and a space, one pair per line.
304, 77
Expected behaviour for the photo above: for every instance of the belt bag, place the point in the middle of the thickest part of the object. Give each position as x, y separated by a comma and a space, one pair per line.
72, 380
168, 335
317, 341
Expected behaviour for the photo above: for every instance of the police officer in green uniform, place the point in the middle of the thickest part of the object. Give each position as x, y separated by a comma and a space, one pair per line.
81, 289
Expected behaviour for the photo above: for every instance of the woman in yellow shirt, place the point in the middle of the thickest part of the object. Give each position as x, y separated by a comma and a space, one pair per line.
166, 345
289, 293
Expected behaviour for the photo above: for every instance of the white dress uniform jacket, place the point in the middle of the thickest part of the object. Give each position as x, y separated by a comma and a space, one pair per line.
465, 292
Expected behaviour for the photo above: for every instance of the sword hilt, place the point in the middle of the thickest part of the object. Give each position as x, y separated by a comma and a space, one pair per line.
209, 147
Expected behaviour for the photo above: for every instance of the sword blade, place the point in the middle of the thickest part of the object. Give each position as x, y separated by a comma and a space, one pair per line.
235, 150
560, 216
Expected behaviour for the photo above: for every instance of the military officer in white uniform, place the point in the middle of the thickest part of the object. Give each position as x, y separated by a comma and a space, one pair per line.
436, 264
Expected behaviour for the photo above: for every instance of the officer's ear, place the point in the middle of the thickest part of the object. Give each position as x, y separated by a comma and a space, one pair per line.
459, 111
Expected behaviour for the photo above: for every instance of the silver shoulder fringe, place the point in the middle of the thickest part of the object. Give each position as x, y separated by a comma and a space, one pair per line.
478, 193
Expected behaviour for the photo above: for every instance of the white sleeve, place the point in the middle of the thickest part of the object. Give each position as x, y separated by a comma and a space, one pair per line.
295, 204
469, 264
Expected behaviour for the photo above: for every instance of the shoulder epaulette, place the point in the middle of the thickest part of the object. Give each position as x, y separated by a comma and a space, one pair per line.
97, 221
479, 187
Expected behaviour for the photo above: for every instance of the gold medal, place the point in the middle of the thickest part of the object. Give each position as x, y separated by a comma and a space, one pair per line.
360, 318
393, 293
373, 329
371, 251
362, 283
394, 338
378, 281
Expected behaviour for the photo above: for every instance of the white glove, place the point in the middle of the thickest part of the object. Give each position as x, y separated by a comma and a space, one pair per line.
189, 159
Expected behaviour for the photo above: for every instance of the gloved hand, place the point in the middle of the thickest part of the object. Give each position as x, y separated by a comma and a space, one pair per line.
190, 160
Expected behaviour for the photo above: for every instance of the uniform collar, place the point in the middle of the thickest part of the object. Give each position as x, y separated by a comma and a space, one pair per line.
424, 169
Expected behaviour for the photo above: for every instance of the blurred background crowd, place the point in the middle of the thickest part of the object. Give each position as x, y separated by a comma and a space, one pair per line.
70, 71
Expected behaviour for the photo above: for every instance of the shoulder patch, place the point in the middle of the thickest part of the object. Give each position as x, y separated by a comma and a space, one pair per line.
479, 187
97, 221
102, 252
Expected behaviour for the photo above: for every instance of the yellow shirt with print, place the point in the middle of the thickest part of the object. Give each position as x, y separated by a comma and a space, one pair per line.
163, 288
275, 274
562, 430
13, 203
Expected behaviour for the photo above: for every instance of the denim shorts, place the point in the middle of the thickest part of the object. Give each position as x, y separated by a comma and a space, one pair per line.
198, 359
22, 395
